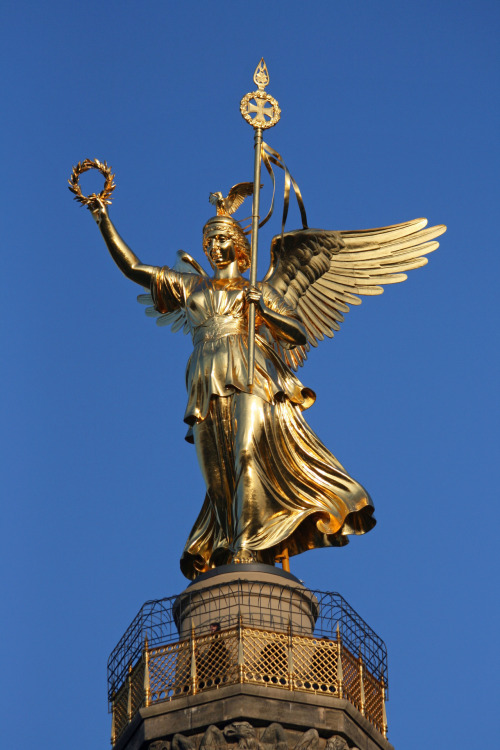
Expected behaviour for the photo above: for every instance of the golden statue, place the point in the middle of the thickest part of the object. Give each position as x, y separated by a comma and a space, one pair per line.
272, 488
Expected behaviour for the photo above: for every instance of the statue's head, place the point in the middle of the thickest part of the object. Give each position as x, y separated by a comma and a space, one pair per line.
229, 227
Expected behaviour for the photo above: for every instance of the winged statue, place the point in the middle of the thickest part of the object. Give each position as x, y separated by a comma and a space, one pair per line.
272, 488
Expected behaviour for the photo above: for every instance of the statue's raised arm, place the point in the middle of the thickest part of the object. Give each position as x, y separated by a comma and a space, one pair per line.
124, 257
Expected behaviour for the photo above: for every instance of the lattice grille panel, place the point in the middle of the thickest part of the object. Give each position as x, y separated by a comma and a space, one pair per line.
373, 700
351, 681
169, 671
217, 660
315, 665
137, 687
120, 710
265, 656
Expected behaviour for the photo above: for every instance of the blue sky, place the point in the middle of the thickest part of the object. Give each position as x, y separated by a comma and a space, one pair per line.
389, 112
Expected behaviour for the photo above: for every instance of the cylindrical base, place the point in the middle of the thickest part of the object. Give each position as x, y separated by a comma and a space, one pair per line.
264, 596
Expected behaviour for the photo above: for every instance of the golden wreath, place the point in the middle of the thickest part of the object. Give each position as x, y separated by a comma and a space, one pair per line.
84, 166
259, 121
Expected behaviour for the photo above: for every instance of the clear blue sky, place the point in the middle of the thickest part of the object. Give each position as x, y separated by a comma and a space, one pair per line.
389, 112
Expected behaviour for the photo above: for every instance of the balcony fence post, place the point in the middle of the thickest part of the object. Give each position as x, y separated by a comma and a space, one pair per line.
147, 686
361, 687
384, 714
129, 696
193, 675
290, 656
113, 720
340, 673
241, 655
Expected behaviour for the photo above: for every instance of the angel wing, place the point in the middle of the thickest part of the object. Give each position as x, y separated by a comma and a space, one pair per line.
320, 273
176, 319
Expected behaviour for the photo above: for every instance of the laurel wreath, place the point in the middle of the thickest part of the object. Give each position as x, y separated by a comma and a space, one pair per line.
263, 96
109, 185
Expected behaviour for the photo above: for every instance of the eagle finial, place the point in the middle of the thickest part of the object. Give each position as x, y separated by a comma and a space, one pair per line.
235, 197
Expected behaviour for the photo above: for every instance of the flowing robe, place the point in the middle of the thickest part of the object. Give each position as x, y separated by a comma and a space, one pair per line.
271, 484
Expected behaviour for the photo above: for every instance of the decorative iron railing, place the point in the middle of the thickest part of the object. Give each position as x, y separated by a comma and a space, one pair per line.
157, 621
244, 655
342, 658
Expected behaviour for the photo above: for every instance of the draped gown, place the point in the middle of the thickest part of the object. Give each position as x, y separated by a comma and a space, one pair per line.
272, 486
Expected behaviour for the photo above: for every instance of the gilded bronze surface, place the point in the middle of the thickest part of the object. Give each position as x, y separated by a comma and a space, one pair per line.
272, 488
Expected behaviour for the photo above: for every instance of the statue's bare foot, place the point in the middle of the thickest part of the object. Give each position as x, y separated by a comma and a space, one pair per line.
244, 555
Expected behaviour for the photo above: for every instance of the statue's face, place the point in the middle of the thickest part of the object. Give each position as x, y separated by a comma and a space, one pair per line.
219, 248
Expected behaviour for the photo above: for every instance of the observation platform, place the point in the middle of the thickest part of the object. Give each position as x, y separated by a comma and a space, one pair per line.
248, 643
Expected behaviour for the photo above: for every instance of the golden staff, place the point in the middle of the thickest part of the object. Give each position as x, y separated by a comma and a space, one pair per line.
254, 110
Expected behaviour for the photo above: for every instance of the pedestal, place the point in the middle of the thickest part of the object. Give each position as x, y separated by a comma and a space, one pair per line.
264, 597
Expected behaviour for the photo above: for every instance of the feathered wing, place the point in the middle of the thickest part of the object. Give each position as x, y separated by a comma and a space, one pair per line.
176, 319
237, 195
320, 273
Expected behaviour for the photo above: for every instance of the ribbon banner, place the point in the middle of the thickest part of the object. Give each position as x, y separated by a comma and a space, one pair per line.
269, 157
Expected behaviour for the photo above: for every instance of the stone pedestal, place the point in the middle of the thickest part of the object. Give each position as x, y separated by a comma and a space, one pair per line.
264, 596
247, 717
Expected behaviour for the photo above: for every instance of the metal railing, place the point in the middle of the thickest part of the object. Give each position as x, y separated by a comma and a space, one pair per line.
246, 655
158, 620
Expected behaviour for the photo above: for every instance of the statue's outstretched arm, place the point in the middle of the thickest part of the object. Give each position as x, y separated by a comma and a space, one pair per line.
123, 256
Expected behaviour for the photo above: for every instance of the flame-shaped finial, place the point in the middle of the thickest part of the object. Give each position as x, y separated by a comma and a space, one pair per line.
261, 75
